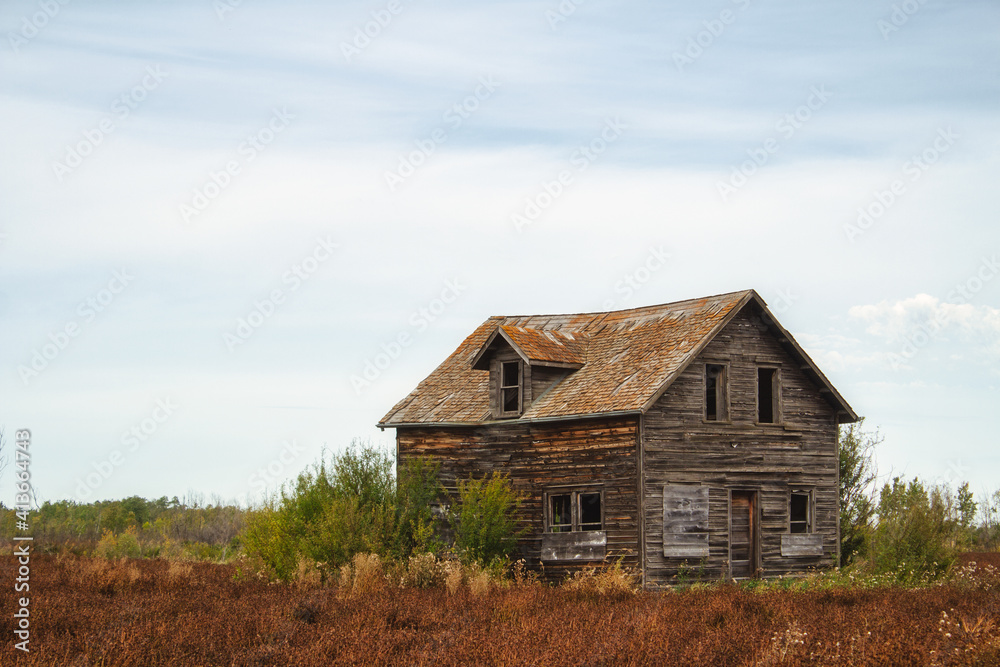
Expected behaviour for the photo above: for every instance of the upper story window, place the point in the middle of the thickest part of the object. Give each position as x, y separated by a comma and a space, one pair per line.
716, 393
510, 388
768, 394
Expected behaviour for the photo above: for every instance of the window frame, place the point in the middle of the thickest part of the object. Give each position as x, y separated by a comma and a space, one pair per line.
810, 520
776, 417
576, 510
501, 388
722, 408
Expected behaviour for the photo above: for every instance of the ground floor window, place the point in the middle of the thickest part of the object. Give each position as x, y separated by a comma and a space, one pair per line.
800, 511
572, 511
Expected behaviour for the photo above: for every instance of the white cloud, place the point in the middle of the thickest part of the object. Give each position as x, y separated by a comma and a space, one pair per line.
835, 352
900, 320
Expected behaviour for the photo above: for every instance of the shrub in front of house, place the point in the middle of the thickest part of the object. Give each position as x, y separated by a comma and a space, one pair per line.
485, 524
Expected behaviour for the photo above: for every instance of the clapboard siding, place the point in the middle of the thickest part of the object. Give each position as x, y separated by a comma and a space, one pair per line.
680, 447
539, 457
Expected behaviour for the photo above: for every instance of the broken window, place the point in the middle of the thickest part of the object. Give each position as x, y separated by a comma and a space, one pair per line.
510, 387
590, 511
715, 393
767, 395
561, 519
575, 511
799, 515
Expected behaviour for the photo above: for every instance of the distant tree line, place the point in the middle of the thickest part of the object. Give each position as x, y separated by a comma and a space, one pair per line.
69, 525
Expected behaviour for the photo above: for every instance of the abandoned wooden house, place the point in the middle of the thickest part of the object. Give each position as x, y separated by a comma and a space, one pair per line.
693, 436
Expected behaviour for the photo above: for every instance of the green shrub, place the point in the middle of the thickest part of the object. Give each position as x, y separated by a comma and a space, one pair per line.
125, 545
346, 505
269, 539
417, 489
485, 523
915, 536
858, 472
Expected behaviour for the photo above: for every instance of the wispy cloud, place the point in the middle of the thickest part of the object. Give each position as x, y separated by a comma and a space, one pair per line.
897, 320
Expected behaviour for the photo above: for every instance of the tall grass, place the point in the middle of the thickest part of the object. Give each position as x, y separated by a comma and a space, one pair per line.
151, 612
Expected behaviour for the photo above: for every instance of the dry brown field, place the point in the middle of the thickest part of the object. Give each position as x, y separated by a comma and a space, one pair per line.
151, 612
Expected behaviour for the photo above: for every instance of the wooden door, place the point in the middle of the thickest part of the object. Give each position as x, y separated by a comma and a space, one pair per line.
743, 533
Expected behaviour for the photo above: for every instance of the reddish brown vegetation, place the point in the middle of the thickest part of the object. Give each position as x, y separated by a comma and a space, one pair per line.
90, 612
981, 559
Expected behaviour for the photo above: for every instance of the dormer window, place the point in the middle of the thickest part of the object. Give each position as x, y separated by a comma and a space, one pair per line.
510, 389
524, 364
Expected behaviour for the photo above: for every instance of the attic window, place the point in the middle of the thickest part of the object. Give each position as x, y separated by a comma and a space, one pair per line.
715, 393
510, 388
768, 391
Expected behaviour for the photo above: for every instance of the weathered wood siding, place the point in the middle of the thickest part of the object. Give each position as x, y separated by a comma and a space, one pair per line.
681, 447
540, 457
542, 379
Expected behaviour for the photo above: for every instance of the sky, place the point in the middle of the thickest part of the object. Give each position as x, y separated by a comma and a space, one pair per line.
233, 233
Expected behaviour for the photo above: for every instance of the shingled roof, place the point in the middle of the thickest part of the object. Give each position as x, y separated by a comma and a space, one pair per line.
625, 360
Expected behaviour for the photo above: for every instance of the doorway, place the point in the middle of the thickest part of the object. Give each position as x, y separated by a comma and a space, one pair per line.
743, 537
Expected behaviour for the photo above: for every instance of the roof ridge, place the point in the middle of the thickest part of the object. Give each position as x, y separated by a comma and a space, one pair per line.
741, 293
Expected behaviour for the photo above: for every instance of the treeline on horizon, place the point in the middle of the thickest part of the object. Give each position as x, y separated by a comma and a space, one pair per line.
902, 522
160, 528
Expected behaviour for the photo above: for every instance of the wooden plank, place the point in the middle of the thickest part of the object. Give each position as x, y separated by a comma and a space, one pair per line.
589, 545
803, 544
685, 521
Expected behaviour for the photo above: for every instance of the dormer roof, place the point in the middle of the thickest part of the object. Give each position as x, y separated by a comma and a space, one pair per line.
540, 347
